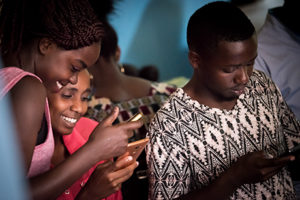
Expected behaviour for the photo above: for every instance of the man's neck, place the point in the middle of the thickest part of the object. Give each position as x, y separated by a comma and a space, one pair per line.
203, 97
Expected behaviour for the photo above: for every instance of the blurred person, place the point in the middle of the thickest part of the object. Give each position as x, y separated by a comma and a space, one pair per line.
149, 72
279, 50
129, 69
112, 88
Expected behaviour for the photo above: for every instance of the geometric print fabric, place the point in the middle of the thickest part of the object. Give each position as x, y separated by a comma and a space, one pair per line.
99, 108
192, 144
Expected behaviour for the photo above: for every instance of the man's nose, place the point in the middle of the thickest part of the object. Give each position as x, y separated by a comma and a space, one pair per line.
243, 75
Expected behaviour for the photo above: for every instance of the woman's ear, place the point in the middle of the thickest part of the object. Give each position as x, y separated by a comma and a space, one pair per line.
118, 54
45, 45
195, 59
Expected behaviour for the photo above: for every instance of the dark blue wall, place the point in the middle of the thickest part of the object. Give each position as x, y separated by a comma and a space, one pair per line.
154, 32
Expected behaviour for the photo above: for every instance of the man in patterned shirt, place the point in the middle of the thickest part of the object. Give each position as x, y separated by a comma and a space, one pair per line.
222, 134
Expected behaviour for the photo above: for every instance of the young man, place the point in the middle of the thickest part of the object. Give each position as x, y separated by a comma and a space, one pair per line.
222, 134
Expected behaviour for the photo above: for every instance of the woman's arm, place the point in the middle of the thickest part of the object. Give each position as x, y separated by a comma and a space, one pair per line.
105, 142
28, 101
28, 105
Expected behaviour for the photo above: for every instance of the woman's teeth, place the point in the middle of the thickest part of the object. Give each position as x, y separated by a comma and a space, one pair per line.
71, 120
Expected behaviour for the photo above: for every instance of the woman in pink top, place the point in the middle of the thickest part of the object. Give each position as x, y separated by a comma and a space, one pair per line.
48, 42
71, 131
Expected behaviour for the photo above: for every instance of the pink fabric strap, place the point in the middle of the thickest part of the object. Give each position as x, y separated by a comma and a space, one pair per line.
41, 158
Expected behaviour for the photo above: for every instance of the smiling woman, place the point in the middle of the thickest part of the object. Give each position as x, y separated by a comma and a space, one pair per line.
71, 132
48, 42
69, 104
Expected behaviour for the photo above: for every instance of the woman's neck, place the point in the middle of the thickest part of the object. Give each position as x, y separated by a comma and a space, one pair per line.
60, 150
107, 80
23, 59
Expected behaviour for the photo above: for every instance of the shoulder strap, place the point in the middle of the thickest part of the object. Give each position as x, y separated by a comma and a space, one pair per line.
10, 76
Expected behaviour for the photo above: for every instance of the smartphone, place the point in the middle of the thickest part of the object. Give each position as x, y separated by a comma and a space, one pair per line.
294, 151
136, 117
136, 148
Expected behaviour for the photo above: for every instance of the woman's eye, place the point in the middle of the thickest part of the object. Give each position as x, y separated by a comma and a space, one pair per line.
66, 96
75, 69
85, 98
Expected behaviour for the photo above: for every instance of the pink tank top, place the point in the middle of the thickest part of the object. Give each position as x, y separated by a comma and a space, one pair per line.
42, 154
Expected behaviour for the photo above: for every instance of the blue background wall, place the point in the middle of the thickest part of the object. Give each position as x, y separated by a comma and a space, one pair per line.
13, 185
154, 32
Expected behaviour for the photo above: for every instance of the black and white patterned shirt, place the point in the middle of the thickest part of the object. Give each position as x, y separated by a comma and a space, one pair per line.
191, 144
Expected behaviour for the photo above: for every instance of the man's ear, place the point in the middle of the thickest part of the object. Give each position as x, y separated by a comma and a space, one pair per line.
45, 45
195, 59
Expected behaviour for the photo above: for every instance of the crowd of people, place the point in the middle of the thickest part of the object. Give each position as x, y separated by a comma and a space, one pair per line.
223, 135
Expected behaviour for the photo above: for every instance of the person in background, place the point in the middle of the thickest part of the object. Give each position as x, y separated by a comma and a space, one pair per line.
129, 69
149, 72
222, 135
279, 50
71, 131
44, 44
278, 57
112, 88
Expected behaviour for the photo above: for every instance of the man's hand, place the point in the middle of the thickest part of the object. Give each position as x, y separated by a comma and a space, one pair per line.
255, 167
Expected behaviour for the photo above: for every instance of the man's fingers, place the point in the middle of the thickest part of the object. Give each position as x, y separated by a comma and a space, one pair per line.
273, 162
271, 172
283, 160
111, 117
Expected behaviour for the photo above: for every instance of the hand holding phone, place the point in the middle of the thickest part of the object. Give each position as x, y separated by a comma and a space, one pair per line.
136, 117
136, 148
292, 152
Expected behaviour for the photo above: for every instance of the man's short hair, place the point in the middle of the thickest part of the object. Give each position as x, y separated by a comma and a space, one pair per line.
215, 22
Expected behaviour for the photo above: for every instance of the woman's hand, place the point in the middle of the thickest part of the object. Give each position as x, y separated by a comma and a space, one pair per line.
110, 141
108, 178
